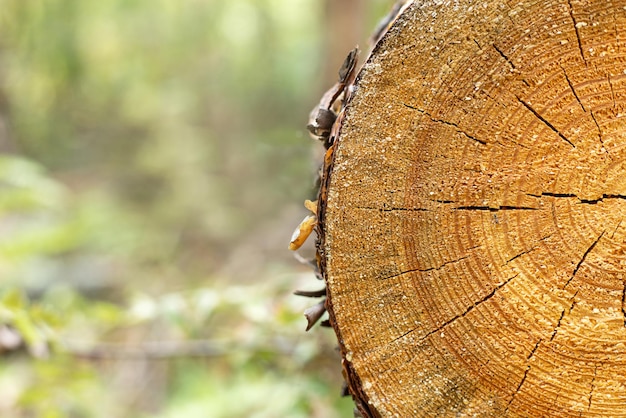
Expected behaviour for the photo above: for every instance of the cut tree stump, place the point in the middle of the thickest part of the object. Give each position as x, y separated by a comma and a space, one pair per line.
472, 229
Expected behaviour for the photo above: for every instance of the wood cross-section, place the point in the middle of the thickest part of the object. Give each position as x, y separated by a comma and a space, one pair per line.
472, 224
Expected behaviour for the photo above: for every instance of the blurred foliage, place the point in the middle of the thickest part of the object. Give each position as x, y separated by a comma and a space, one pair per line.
153, 161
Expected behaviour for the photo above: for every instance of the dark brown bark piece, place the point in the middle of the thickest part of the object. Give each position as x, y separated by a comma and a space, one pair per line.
314, 313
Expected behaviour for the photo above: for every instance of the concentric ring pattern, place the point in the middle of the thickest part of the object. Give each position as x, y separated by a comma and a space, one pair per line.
476, 216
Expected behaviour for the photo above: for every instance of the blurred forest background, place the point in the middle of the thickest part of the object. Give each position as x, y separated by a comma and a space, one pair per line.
153, 165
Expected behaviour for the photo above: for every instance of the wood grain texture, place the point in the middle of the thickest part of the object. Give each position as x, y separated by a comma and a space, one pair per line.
474, 237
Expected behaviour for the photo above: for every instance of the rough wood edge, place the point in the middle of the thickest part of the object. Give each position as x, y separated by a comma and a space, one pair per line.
352, 379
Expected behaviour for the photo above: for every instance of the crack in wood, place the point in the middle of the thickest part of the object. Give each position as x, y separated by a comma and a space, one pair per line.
558, 324
582, 260
580, 44
393, 209
507, 59
427, 269
527, 251
496, 101
532, 352
571, 86
624, 301
490, 209
403, 335
399, 209
580, 200
548, 194
545, 121
470, 308
617, 42
616, 228
520, 254
593, 116
554, 403
445, 264
600, 199
448, 123
608, 77
616, 31
519, 387
595, 373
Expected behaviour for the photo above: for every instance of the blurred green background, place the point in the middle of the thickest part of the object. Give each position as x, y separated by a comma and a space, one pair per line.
153, 165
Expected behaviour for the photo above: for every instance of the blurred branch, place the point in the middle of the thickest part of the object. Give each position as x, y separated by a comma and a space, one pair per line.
146, 350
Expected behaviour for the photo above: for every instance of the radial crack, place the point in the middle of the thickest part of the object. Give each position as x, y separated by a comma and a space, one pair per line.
470, 308
558, 324
580, 200
518, 389
403, 335
519, 255
427, 269
616, 31
393, 209
582, 260
600, 199
445, 122
593, 116
558, 194
571, 86
527, 251
490, 209
624, 301
576, 25
595, 372
545, 121
445, 264
507, 59
608, 77
616, 228
532, 352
